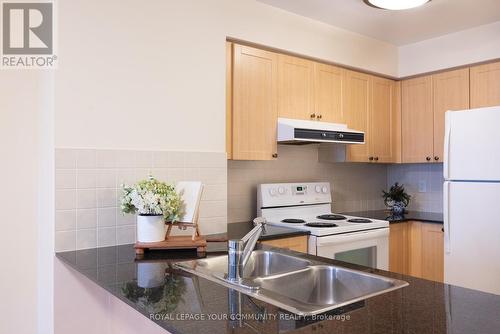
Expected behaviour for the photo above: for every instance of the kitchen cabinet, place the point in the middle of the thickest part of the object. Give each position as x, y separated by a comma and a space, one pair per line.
384, 121
295, 87
398, 248
432, 252
371, 105
328, 93
356, 103
309, 90
450, 92
229, 100
485, 85
417, 249
425, 101
254, 107
262, 85
298, 244
417, 120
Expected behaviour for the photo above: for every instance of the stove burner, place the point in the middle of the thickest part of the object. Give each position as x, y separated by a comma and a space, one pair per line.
359, 220
293, 221
331, 217
321, 224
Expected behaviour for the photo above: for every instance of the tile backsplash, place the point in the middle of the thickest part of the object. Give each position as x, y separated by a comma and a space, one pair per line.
356, 187
424, 182
88, 190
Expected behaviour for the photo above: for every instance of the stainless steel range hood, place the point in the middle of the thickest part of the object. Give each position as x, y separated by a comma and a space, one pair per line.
299, 132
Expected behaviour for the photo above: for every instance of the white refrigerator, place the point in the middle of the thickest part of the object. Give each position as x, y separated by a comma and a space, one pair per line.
472, 199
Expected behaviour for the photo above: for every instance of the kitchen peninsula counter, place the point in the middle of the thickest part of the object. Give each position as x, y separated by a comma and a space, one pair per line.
183, 303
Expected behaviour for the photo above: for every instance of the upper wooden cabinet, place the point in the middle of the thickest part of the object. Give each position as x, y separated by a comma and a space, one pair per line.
425, 101
254, 106
450, 92
485, 85
417, 120
356, 104
309, 90
295, 87
384, 121
328, 93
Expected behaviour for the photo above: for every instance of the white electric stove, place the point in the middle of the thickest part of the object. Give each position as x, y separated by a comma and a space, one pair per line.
307, 206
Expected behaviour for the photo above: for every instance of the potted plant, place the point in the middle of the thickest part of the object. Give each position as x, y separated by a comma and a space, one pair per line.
397, 199
154, 202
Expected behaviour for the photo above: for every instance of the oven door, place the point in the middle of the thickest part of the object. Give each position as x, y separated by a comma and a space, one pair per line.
366, 248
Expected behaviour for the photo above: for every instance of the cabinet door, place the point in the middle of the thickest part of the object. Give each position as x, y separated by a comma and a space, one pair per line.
417, 120
295, 87
298, 244
432, 252
255, 74
382, 120
415, 249
328, 93
356, 103
426, 251
229, 100
398, 248
485, 85
450, 92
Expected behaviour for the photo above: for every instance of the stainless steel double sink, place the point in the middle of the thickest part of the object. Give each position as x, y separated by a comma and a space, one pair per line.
297, 285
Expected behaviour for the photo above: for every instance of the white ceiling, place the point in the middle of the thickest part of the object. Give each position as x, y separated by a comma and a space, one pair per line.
436, 18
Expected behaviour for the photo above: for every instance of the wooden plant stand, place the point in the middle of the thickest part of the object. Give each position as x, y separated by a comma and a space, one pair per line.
174, 242
193, 241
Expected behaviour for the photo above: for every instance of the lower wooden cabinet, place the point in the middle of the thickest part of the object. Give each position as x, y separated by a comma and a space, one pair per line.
432, 252
417, 249
398, 248
298, 244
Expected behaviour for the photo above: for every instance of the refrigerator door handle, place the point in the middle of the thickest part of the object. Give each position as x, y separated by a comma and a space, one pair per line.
447, 137
446, 216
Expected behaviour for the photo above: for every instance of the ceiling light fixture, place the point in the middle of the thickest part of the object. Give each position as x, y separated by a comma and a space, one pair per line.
396, 4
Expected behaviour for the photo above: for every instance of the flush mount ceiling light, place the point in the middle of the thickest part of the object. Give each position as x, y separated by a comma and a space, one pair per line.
396, 4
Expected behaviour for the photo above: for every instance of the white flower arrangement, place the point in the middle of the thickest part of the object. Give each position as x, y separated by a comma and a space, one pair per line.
151, 197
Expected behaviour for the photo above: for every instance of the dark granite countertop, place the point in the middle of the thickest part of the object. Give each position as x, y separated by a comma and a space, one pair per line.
428, 217
184, 303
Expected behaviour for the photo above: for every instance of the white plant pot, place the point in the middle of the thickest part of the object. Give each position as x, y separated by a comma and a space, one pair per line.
150, 228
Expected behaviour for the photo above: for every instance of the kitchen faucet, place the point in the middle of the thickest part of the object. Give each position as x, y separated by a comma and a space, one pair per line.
239, 250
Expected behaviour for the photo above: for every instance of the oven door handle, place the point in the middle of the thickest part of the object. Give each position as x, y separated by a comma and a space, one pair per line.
350, 237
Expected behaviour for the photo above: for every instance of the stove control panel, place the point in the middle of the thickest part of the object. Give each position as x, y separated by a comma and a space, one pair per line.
289, 194
299, 190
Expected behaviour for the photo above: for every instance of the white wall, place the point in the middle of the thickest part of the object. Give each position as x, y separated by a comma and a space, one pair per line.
20, 117
151, 75
460, 48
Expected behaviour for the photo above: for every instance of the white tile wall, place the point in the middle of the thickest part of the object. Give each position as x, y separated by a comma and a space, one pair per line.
411, 175
356, 187
88, 191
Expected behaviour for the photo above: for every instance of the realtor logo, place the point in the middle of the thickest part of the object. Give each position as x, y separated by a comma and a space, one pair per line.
28, 35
